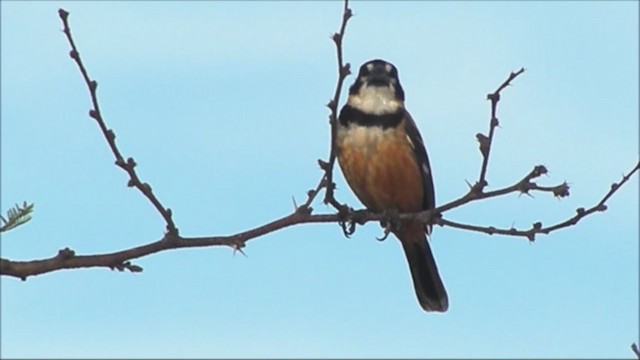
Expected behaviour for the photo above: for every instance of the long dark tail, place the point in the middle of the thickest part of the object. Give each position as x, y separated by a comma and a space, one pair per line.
426, 280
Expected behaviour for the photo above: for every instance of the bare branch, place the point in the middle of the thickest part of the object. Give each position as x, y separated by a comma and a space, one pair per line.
485, 142
537, 227
346, 217
344, 70
130, 164
525, 185
67, 259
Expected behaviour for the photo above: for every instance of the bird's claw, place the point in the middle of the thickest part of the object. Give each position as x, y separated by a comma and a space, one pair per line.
387, 231
389, 222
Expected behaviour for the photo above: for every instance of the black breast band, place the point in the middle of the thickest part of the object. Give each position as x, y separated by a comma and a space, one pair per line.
351, 115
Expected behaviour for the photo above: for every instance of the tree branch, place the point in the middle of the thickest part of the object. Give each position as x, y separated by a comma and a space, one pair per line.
67, 259
343, 71
537, 227
109, 134
347, 218
485, 142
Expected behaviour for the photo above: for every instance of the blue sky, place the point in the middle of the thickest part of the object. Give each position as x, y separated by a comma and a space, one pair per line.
222, 106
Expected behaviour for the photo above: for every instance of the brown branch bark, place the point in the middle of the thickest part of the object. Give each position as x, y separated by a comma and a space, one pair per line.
484, 141
121, 260
67, 259
343, 71
109, 135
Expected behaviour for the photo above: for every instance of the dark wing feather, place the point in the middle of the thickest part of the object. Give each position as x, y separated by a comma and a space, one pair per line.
420, 151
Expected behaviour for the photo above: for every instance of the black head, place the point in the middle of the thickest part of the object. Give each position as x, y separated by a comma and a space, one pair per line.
378, 73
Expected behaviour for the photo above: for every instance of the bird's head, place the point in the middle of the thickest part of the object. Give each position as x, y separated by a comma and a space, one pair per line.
377, 89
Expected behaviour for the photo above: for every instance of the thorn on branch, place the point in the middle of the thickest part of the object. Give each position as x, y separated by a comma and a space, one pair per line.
323, 165
331, 104
345, 70
495, 122
237, 247
477, 188
468, 184
525, 186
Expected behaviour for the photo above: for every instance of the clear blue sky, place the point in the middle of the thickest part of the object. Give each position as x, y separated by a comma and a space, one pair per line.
222, 106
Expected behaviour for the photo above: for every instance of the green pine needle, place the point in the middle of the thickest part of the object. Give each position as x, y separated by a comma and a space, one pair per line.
16, 216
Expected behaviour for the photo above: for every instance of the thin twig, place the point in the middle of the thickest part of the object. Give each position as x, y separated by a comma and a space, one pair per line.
343, 71
130, 164
311, 195
485, 142
523, 186
537, 227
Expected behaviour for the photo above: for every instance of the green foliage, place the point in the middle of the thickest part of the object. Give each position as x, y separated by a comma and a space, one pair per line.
16, 216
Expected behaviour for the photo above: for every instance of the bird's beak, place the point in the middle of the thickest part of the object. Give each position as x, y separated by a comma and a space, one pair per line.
379, 76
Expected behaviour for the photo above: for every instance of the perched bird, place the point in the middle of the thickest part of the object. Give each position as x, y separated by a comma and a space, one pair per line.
384, 161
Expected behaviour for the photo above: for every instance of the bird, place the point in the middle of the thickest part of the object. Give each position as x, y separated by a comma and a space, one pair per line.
384, 161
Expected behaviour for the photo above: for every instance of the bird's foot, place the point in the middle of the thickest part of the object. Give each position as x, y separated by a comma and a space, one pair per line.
390, 222
348, 220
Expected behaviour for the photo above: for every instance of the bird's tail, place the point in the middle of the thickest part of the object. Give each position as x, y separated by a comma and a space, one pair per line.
426, 280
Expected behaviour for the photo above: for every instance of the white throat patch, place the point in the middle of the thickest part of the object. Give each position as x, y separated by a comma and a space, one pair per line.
375, 100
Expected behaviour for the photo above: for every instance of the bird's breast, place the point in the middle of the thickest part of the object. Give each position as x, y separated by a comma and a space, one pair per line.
380, 166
